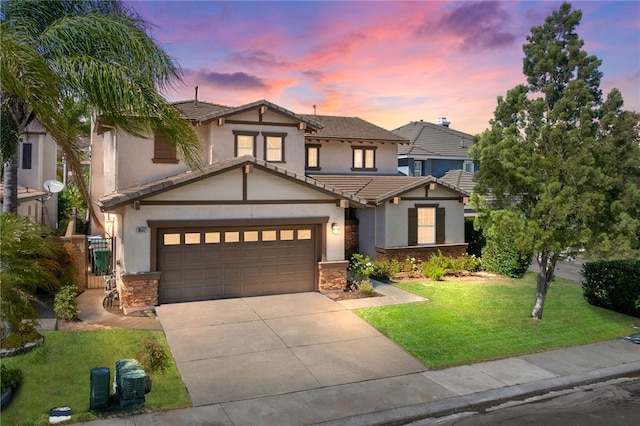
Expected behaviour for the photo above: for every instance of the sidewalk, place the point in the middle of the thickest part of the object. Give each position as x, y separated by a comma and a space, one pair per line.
406, 398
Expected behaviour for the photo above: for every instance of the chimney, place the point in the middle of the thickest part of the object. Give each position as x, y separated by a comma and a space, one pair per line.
443, 121
195, 102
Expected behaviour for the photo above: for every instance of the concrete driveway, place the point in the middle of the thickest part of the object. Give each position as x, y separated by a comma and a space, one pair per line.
236, 349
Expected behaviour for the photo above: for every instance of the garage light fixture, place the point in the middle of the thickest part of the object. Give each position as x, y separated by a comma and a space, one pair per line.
335, 228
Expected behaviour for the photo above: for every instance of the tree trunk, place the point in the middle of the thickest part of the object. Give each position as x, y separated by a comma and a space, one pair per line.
547, 263
10, 201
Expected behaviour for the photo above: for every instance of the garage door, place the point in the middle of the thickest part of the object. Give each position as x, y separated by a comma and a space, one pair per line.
217, 263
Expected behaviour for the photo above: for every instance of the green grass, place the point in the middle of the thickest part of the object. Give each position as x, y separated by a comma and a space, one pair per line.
465, 322
58, 374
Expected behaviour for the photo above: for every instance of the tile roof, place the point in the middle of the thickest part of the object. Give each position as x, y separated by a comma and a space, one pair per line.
24, 193
460, 178
433, 140
138, 192
204, 111
351, 128
378, 189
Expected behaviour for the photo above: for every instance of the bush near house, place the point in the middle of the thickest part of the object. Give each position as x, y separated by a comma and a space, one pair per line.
473, 237
503, 258
613, 285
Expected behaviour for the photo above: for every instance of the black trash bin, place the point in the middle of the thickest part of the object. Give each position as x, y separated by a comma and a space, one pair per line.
99, 397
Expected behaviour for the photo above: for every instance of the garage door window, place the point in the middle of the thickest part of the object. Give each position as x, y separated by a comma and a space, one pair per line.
304, 234
212, 237
286, 235
250, 236
269, 236
231, 237
192, 238
171, 239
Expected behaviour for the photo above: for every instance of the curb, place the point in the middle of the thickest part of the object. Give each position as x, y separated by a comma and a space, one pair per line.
480, 401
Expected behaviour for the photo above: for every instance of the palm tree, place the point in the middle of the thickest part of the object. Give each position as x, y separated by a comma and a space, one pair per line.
96, 51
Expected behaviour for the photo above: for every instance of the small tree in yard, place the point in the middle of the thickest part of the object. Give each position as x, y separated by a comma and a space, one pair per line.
563, 161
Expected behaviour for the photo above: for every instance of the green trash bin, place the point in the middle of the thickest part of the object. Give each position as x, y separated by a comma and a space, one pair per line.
99, 394
102, 256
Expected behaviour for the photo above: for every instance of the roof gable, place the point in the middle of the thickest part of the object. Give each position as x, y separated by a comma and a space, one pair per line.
150, 189
434, 140
378, 189
351, 129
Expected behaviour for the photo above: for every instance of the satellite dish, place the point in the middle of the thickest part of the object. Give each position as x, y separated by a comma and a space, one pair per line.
53, 186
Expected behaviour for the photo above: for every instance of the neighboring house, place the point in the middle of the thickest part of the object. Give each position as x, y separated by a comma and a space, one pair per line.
37, 162
463, 180
278, 206
433, 149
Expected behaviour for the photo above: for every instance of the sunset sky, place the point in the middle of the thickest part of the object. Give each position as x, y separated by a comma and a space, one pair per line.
387, 62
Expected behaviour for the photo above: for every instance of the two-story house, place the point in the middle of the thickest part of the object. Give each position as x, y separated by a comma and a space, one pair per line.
280, 202
37, 162
434, 149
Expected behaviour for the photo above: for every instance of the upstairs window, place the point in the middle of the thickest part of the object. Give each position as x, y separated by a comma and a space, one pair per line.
162, 150
27, 149
468, 166
313, 157
364, 159
417, 168
274, 146
245, 143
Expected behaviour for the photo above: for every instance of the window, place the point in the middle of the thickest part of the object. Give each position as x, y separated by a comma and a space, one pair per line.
27, 148
426, 225
274, 146
313, 157
364, 158
417, 168
468, 166
171, 239
192, 238
162, 151
245, 143
212, 237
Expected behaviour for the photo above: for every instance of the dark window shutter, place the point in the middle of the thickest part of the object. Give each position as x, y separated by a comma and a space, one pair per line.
440, 226
26, 155
162, 151
412, 222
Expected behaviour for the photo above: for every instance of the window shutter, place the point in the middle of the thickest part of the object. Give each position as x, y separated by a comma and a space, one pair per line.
440, 225
26, 155
162, 151
412, 221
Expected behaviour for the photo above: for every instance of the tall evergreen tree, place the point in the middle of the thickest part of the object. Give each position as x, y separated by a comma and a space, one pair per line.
562, 160
97, 51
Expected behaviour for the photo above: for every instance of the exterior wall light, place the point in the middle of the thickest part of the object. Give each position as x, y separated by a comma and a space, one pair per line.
335, 228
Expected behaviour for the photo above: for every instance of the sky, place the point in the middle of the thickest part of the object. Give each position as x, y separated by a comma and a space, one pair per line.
387, 62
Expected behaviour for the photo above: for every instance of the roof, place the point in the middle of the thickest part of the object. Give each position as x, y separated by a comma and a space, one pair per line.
460, 178
433, 140
139, 192
351, 129
24, 193
378, 189
202, 112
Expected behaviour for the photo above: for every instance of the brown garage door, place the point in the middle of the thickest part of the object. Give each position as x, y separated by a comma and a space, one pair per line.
217, 263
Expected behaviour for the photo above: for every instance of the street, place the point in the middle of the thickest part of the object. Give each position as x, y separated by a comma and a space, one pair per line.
614, 404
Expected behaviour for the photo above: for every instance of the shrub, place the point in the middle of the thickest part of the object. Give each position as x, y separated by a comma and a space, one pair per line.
384, 270
153, 356
473, 237
411, 265
361, 266
64, 302
500, 257
9, 377
433, 271
366, 287
467, 263
613, 285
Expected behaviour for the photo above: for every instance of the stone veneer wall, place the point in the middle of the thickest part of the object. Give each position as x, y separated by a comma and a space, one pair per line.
351, 237
332, 276
420, 253
139, 291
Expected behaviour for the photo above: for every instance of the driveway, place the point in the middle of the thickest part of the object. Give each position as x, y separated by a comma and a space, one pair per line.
236, 349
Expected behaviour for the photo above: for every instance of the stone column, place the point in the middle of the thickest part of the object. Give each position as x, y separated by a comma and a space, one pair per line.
139, 292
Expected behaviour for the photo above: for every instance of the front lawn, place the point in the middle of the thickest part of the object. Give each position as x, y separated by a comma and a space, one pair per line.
466, 322
58, 374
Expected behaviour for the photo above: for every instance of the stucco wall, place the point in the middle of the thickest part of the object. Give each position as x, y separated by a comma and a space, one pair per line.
337, 157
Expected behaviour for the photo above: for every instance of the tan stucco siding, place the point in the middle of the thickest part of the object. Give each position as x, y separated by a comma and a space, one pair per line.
266, 186
337, 157
227, 186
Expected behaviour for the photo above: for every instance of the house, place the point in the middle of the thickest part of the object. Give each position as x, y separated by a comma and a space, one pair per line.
461, 179
37, 163
281, 201
434, 149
